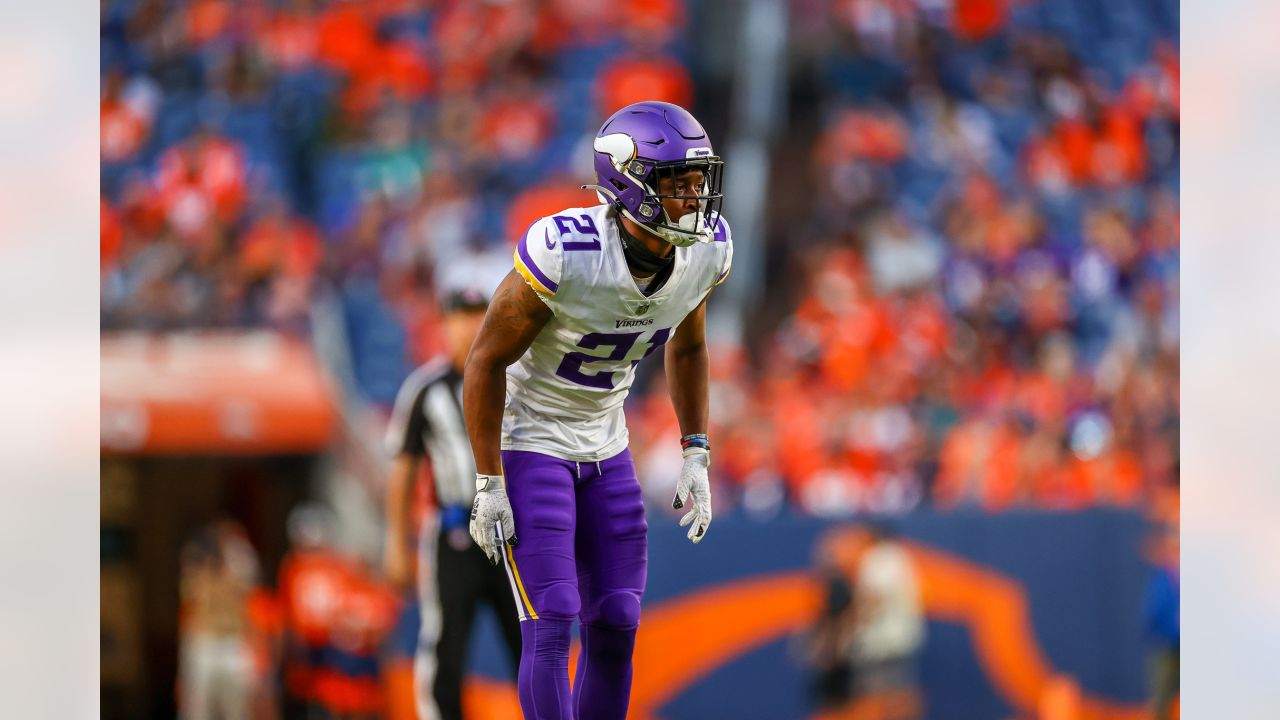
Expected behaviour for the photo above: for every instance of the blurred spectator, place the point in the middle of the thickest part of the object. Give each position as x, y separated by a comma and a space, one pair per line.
347, 36
278, 256
290, 36
337, 613
474, 39
517, 121
218, 674
540, 201
644, 73
311, 584
888, 630
978, 466
976, 20
828, 642
126, 113
348, 682
901, 256
200, 182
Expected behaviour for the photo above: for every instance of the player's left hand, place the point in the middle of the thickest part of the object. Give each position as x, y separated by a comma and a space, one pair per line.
693, 482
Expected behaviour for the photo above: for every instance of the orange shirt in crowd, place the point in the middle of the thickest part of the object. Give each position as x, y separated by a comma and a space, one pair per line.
1089, 155
1044, 163
123, 130
311, 586
206, 20
266, 621
846, 354
110, 233
978, 464
347, 39
404, 70
468, 35
658, 20
1006, 236
1075, 142
1046, 304
975, 20
1042, 398
861, 135
280, 243
588, 22
399, 68
922, 329
290, 39
367, 614
626, 80
743, 450
993, 387
1115, 478
542, 200
801, 449
210, 171
369, 609
1121, 131
515, 128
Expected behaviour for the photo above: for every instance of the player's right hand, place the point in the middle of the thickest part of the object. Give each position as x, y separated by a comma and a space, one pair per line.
491, 520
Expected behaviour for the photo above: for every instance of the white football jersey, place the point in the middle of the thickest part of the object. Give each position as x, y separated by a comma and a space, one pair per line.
565, 394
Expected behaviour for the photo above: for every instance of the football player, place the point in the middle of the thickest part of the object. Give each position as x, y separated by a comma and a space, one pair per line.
594, 290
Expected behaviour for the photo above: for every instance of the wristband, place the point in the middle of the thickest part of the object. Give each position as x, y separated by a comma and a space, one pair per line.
484, 483
697, 440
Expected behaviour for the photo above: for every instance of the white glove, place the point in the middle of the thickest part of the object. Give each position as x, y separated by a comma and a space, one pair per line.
693, 481
489, 510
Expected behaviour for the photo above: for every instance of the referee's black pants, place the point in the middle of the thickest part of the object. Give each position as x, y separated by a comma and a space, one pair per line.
464, 580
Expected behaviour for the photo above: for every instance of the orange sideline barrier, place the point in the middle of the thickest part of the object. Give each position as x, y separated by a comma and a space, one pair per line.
222, 393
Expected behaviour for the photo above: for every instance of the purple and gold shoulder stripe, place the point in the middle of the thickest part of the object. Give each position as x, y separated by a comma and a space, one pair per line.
530, 271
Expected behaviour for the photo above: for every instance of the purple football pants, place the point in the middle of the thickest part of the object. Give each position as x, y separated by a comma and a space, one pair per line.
582, 553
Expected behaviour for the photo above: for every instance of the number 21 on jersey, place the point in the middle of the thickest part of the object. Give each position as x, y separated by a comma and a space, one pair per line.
621, 343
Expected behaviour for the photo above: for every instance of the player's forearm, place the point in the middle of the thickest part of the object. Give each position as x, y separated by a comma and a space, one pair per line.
483, 394
688, 377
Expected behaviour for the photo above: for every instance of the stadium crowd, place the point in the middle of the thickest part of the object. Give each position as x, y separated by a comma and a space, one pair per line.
976, 278
972, 233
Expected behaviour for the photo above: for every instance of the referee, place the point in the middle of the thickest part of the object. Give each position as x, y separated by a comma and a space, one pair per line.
454, 576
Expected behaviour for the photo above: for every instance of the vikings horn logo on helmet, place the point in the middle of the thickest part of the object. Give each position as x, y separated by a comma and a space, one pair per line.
645, 142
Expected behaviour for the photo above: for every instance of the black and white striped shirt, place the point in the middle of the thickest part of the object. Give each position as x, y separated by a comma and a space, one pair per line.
427, 421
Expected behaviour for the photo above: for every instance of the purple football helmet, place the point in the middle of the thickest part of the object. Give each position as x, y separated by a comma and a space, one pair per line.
644, 142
